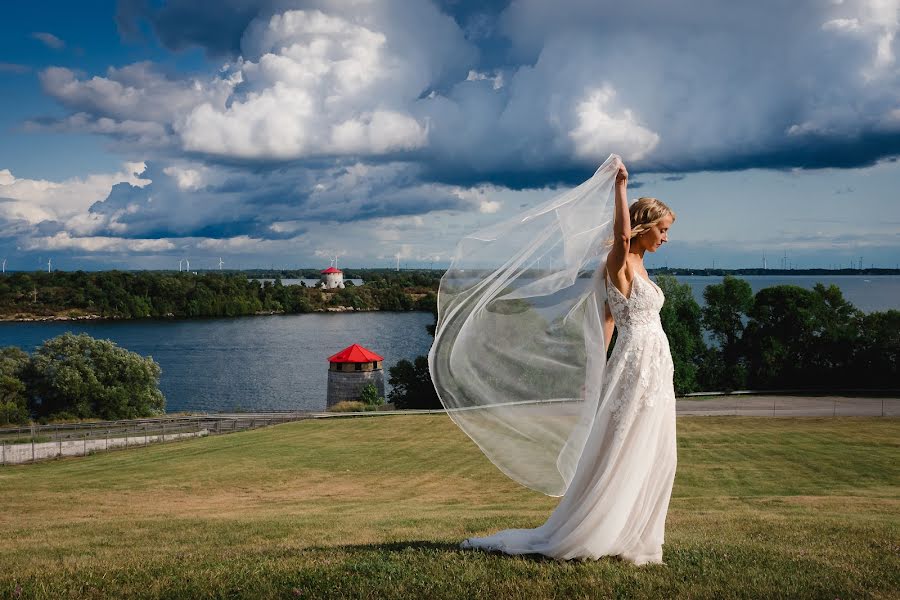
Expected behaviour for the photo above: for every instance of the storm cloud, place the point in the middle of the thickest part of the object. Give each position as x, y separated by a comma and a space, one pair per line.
314, 112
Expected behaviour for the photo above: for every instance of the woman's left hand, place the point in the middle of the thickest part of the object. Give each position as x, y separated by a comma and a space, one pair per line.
622, 174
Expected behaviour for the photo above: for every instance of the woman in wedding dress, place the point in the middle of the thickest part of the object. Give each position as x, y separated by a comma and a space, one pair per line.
617, 500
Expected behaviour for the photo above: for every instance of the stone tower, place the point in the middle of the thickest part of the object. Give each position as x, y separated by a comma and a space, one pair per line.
350, 370
332, 277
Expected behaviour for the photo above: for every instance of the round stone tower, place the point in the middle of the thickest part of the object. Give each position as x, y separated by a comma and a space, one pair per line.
350, 370
332, 277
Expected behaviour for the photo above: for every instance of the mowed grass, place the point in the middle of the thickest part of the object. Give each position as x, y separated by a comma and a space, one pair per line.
375, 507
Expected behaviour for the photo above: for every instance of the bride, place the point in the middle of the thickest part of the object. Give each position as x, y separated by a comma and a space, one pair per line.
617, 490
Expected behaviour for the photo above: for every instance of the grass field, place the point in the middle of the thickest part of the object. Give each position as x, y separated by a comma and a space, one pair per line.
375, 508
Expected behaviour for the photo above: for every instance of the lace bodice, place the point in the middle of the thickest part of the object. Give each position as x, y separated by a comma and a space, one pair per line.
641, 361
641, 308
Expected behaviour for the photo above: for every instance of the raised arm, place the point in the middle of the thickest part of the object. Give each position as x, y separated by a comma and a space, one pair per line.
615, 261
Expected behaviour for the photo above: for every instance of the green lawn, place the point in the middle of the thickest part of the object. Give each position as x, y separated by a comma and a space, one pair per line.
375, 507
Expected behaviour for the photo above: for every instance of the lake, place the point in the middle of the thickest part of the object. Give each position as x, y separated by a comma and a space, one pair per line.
280, 362
277, 362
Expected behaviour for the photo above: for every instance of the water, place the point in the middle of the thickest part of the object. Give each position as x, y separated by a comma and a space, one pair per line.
867, 293
251, 363
280, 362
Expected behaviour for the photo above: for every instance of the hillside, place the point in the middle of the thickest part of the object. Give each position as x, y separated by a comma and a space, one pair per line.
375, 507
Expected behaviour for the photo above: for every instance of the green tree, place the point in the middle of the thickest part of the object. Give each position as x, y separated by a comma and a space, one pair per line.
680, 316
727, 306
369, 395
412, 386
13, 398
77, 376
801, 338
876, 359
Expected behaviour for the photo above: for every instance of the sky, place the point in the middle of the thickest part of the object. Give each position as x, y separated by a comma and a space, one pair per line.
285, 133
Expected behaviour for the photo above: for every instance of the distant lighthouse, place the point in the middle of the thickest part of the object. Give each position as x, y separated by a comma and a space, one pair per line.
350, 370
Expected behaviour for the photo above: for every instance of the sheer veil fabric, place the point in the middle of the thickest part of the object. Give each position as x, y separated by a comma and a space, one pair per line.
518, 356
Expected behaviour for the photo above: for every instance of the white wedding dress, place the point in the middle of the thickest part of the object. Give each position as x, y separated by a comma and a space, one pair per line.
617, 501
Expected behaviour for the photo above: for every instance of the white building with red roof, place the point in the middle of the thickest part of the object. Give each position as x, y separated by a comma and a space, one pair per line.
332, 277
350, 370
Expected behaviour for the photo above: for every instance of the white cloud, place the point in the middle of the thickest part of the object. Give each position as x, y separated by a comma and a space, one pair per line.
496, 79
134, 93
138, 132
841, 25
310, 92
36, 200
63, 241
875, 21
233, 244
599, 133
49, 40
188, 178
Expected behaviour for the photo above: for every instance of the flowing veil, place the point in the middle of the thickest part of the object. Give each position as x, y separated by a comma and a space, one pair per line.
519, 354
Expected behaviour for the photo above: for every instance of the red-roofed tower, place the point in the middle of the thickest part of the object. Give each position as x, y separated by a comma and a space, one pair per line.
332, 277
350, 370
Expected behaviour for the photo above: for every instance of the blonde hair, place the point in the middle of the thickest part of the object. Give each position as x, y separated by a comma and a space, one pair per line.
645, 212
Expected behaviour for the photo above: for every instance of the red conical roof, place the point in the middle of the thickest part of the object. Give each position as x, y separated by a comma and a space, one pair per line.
354, 354
331, 270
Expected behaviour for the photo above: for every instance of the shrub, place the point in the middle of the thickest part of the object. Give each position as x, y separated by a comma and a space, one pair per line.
348, 406
13, 398
369, 396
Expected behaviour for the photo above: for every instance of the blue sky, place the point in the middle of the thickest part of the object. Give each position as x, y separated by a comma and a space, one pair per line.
137, 133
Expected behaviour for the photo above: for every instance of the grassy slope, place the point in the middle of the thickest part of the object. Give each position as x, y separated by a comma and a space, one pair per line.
375, 508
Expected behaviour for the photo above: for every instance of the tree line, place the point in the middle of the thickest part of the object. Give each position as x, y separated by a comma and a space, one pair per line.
783, 337
147, 294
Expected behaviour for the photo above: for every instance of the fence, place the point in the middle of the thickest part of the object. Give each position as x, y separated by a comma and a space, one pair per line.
774, 405
42, 442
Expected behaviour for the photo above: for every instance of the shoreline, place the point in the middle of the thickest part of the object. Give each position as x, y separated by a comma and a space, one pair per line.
20, 318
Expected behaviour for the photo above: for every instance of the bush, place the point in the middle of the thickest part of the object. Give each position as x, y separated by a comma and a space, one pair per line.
13, 396
369, 396
348, 406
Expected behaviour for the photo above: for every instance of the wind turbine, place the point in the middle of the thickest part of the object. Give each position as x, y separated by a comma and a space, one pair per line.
48, 264
180, 262
221, 262
4, 265
187, 265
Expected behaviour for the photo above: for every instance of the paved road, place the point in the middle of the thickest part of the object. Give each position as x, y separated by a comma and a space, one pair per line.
790, 406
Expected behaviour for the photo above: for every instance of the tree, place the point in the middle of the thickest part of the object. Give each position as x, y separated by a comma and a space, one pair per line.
876, 356
412, 386
727, 306
680, 316
13, 397
77, 376
801, 338
369, 395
